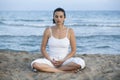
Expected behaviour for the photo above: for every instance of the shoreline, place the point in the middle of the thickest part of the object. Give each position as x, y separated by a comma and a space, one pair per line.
38, 52
15, 65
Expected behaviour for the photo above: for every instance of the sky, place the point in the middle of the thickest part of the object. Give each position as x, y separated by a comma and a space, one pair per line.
66, 4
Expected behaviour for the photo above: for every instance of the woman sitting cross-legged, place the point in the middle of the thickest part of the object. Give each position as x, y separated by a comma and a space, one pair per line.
58, 38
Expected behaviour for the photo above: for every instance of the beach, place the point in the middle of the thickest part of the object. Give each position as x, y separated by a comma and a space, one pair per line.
15, 65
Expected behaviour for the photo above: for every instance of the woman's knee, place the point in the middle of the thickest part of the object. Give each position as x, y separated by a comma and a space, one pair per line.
77, 66
73, 64
35, 65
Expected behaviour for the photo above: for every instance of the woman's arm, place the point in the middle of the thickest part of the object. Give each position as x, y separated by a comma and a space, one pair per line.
72, 39
44, 43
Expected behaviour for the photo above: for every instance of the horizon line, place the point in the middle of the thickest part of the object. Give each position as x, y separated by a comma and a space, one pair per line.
65, 10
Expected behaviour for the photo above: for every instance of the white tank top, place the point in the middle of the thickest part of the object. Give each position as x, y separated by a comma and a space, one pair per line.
58, 48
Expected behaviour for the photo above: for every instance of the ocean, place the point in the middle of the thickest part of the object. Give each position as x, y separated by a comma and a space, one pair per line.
97, 32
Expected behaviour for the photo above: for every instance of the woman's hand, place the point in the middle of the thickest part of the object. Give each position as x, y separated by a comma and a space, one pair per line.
57, 63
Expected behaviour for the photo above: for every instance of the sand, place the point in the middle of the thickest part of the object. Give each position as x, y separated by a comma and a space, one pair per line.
15, 65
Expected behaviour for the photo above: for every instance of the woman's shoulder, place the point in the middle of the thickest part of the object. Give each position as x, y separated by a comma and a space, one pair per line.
50, 27
47, 30
70, 30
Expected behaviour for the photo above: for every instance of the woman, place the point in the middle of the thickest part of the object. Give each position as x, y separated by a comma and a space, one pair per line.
58, 38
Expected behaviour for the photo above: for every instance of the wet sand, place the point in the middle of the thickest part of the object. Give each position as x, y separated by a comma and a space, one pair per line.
15, 65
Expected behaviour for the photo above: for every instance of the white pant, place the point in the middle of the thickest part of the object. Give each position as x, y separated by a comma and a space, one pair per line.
76, 60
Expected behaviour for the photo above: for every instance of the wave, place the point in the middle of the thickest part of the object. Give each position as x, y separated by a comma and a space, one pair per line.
71, 25
18, 50
99, 36
25, 24
29, 20
24, 20
78, 37
94, 25
2, 23
10, 50
103, 46
36, 23
21, 36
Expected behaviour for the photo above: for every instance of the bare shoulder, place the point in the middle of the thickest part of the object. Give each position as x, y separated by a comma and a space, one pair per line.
71, 31
47, 31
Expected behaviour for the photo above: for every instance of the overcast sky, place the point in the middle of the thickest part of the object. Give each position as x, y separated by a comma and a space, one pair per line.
66, 4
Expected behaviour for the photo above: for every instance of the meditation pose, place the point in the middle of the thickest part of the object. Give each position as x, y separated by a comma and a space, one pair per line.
61, 44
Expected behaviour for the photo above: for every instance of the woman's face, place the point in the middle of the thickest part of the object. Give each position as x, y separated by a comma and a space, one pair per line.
59, 17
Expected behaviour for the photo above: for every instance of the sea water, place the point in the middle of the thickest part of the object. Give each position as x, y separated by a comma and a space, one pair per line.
97, 32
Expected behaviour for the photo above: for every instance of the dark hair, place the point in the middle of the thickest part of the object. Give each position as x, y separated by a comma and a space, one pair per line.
59, 9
